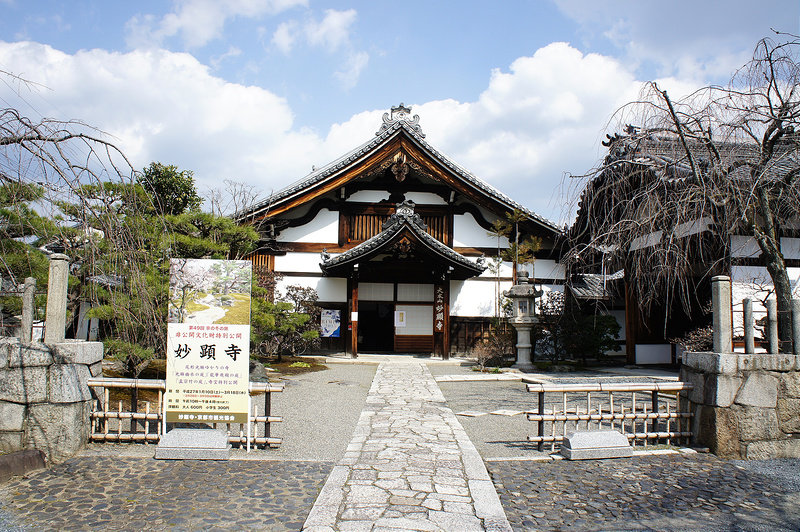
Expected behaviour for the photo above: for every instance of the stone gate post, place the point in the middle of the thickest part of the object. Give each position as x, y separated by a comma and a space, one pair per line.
28, 294
723, 315
56, 314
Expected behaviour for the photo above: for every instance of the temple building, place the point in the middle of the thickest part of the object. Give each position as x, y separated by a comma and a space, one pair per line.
396, 239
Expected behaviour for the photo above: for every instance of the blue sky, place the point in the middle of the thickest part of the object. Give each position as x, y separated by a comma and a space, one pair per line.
258, 91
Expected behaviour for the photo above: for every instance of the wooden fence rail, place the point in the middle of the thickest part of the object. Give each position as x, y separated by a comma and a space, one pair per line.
120, 425
658, 417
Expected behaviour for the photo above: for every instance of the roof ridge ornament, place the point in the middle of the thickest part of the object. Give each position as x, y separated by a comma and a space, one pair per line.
401, 113
405, 210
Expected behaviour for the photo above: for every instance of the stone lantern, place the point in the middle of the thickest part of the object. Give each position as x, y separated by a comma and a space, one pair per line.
523, 298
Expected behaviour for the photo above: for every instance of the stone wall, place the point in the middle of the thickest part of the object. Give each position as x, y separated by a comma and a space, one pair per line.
745, 405
45, 402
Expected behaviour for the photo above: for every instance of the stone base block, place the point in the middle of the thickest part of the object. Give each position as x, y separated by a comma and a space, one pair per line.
79, 352
597, 444
193, 444
20, 463
789, 448
58, 430
11, 442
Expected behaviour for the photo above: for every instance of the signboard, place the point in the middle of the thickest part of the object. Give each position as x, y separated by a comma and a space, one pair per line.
330, 323
400, 318
208, 341
438, 323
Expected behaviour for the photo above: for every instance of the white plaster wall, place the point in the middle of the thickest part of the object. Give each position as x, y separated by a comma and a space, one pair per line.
374, 196
547, 269
790, 247
619, 315
474, 298
467, 233
744, 247
425, 198
506, 269
298, 262
545, 289
653, 353
329, 289
323, 228
754, 282
369, 196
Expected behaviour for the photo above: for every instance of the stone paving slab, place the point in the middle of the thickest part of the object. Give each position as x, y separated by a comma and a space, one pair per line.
669, 493
111, 493
409, 467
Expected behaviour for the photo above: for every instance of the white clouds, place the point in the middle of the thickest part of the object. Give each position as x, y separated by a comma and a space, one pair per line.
331, 34
333, 31
285, 36
198, 21
351, 70
167, 107
532, 124
704, 41
541, 118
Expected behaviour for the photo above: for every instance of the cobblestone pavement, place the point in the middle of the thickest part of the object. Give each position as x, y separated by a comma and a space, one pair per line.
409, 467
673, 492
105, 493
372, 488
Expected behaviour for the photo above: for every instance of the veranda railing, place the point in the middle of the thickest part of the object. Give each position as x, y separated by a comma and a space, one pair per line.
644, 412
123, 425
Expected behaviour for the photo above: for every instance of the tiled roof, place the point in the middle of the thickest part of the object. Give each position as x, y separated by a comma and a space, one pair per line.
387, 131
593, 286
391, 228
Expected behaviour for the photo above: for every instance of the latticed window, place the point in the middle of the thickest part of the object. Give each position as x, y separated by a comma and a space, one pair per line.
363, 226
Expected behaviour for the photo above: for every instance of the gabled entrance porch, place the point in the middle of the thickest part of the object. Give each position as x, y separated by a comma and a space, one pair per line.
399, 287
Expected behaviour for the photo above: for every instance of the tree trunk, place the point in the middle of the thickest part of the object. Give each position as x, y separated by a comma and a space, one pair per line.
767, 235
783, 294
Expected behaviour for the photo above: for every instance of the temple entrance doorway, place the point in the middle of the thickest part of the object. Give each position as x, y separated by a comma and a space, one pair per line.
375, 327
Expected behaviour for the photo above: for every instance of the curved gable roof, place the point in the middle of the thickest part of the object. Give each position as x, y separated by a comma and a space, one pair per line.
404, 222
390, 130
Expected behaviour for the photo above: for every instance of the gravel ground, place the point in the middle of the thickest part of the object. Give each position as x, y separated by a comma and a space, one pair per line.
320, 411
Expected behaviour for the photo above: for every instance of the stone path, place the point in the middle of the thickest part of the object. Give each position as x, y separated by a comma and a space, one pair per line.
209, 315
410, 466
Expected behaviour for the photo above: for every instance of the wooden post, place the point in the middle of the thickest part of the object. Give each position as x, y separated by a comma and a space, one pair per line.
654, 410
796, 326
540, 424
631, 320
